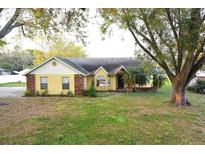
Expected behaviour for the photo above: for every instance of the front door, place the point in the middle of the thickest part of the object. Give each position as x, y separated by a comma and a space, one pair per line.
120, 82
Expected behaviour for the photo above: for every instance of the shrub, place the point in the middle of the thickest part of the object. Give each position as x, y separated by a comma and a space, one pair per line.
44, 92
198, 87
92, 91
29, 93
141, 78
37, 93
62, 93
158, 81
85, 92
70, 94
190, 88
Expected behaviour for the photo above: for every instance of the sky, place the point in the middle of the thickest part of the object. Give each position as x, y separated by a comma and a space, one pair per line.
120, 44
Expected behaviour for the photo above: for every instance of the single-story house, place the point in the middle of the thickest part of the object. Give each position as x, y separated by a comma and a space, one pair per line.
200, 75
22, 72
59, 75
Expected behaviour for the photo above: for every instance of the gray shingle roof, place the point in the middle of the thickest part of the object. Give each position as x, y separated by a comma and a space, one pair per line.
74, 65
89, 65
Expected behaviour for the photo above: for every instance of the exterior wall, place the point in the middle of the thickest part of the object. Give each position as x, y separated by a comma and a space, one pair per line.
55, 83
201, 78
78, 83
49, 68
125, 84
101, 72
88, 81
113, 83
30, 82
54, 71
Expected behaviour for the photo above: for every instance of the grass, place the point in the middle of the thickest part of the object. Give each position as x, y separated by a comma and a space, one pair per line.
13, 84
125, 118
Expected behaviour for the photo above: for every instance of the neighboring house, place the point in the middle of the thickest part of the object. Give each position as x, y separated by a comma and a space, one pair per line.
13, 76
4, 71
76, 74
200, 75
22, 72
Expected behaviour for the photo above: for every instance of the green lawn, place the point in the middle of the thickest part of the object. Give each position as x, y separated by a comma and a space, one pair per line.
13, 84
126, 118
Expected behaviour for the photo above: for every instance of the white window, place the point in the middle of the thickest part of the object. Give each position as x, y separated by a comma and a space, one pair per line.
44, 82
65, 83
101, 81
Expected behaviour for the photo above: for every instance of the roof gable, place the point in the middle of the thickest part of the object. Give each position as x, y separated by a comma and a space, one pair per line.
47, 69
109, 64
100, 68
119, 69
87, 66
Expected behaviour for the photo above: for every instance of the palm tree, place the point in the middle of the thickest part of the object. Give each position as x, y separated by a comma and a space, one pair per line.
158, 81
141, 78
130, 77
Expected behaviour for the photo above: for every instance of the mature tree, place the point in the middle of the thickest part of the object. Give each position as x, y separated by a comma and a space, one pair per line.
174, 38
129, 77
147, 65
39, 57
17, 59
50, 21
58, 47
63, 48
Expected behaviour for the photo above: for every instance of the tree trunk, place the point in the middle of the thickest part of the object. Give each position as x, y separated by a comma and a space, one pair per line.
179, 95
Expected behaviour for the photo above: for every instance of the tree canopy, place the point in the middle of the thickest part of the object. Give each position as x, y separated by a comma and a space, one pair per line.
47, 20
58, 47
16, 59
173, 38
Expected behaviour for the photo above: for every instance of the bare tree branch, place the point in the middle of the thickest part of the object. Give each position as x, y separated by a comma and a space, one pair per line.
170, 49
195, 68
163, 64
154, 44
160, 60
194, 33
177, 38
22, 28
11, 24
1, 9
171, 24
199, 50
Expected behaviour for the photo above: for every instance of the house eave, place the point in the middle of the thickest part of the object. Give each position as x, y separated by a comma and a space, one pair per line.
25, 74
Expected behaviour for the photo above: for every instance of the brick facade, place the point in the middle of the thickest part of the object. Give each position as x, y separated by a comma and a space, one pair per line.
30, 81
78, 83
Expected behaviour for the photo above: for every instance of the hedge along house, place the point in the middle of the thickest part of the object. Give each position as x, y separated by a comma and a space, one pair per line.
59, 75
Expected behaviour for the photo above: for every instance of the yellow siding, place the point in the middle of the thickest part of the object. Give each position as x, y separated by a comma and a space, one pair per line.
89, 80
113, 83
55, 83
101, 72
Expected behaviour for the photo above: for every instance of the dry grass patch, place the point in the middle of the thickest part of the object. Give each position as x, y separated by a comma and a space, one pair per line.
125, 118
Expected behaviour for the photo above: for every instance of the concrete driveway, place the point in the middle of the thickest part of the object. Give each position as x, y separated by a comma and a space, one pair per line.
12, 91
